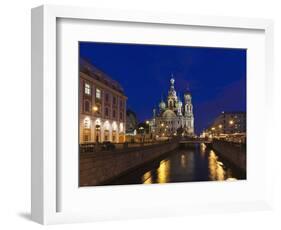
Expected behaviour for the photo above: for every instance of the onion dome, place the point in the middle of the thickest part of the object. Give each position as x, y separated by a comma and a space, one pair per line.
162, 105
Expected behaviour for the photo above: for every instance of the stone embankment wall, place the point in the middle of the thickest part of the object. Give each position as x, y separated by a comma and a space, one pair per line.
233, 152
98, 168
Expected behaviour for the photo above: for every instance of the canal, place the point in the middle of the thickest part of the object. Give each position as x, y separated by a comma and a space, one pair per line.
189, 164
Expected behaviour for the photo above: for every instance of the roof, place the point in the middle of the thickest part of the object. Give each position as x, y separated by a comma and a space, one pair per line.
89, 69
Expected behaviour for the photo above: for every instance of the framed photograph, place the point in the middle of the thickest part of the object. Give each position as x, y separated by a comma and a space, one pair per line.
141, 114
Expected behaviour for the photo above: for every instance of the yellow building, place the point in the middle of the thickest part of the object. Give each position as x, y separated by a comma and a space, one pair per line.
102, 106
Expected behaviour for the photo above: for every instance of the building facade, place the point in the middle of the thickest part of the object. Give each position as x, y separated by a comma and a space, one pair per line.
173, 117
102, 105
228, 123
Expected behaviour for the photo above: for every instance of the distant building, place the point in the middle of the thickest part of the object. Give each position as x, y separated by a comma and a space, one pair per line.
131, 122
102, 106
173, 116
229, 123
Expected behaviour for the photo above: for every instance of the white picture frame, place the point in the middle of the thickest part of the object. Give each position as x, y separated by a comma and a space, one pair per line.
46, 181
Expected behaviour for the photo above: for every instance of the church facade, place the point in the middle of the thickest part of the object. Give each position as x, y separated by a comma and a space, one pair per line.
173, 117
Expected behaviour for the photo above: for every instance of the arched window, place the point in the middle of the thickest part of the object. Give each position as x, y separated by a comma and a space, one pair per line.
170, 103
87, 106
106, 112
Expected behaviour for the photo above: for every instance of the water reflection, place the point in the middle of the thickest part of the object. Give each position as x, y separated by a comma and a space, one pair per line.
183, 161
202, 150
146, 178
163, 172
216, 169
198, 163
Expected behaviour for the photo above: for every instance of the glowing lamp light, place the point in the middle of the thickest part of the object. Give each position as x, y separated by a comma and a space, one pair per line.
95, 108
231, 122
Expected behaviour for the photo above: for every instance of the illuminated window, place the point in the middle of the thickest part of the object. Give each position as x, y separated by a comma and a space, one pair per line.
87, 89
86, 137
98, 93
87, 123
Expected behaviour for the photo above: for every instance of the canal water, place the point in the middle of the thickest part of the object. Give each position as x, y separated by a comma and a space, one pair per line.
197, 163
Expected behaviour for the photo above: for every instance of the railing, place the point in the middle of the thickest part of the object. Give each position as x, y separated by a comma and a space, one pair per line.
105, 147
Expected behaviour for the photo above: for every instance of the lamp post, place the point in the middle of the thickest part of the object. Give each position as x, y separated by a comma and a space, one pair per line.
148, 124
97, 127
142, 132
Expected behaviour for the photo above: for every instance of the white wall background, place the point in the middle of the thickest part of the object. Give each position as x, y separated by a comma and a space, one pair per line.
15, 112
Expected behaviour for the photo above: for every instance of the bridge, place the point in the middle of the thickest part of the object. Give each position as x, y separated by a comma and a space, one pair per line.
194, 141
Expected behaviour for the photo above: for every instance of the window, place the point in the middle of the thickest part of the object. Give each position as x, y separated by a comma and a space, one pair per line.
106, 112
86, 137
121, 103
121, 116
87, 123
106, 97
98, 93
114, 113
114, 100
86, 106
87, 89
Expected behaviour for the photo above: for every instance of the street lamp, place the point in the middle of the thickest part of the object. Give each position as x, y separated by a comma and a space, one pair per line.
142, 132
231, 122
95, 108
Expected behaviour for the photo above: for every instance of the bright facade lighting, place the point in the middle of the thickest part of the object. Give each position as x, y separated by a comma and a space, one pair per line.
121, 127
106, 125
114, 126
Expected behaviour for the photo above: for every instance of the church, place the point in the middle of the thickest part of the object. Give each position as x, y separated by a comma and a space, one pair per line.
173, 117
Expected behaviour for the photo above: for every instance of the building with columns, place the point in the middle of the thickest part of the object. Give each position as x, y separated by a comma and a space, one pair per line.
102, 106
173, 117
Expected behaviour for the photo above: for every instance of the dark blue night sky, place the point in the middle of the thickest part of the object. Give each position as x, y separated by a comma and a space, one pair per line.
216, 77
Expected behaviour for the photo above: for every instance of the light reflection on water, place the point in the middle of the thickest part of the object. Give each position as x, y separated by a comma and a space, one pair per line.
183, 165
215, 167
163, 172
